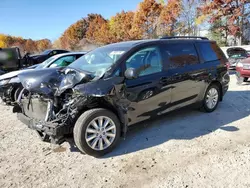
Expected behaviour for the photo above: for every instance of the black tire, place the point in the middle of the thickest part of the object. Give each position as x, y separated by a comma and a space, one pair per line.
81, 126
245, 79
205, 107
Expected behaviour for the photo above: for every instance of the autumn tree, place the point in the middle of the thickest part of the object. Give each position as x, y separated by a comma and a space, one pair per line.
30, 46
169, 16
235, 12
3, 41
121, 25
146, 19
98, 30
43, 44
57, 44
74, 34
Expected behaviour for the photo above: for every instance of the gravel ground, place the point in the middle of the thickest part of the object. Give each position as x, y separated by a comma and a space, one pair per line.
186, 148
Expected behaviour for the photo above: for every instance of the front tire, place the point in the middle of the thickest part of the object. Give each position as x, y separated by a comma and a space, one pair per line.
17, 93
97, 132
211, 98
245, 79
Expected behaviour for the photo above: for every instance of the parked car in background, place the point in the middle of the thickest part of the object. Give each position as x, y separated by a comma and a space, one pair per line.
243, 70
46, 54
10, 85
11, 59
112, 87
235, 55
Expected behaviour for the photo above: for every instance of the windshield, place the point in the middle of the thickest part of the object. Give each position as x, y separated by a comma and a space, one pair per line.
45, 52
45, 63
99, 60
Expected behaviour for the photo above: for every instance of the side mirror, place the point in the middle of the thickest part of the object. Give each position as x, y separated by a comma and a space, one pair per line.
131, 73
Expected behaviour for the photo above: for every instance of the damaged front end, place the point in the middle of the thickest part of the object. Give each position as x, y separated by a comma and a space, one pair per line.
51, 118
52, 103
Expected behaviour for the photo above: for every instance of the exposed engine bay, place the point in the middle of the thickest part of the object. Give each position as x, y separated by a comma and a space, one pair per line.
52, 106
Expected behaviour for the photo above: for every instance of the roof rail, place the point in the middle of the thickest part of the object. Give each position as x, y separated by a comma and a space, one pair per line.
184, 37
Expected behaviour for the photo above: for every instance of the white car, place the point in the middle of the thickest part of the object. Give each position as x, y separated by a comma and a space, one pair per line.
10, 86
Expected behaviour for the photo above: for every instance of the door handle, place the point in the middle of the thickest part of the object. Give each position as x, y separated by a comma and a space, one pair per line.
163, 79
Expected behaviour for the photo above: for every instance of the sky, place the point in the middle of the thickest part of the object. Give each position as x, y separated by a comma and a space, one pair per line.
37, 19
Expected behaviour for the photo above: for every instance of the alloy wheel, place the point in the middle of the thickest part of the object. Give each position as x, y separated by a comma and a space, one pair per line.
212, 98
100, 133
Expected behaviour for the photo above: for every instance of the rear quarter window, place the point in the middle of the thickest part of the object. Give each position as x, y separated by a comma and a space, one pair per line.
211, 52
180, 55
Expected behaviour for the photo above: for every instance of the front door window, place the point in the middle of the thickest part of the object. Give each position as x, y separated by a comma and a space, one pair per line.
146, 61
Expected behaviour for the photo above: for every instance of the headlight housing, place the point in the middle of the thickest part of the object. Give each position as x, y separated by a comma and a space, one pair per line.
4, 82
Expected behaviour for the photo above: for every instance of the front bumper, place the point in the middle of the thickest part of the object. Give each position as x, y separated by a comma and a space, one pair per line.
48, 132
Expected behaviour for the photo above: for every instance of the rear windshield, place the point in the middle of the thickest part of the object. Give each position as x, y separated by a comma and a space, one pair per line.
236, 53
211, 52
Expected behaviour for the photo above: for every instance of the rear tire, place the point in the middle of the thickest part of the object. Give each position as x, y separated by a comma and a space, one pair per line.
245, 79
211, 98
92, 136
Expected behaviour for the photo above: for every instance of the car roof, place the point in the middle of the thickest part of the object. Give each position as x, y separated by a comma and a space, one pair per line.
69, 53
134, 43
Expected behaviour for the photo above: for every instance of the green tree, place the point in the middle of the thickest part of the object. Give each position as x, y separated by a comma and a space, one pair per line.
218, 31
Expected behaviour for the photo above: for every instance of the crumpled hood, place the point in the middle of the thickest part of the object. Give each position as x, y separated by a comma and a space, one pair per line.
52, 81
11, 74
101, 87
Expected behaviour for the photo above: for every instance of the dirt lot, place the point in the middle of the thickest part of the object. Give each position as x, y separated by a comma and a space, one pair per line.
187, 148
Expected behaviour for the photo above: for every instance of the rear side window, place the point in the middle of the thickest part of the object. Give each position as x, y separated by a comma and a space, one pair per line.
211, 52
180, 55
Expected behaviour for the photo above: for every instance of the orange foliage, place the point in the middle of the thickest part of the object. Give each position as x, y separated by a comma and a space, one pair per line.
146, 19
28, 45
74, 34
121, 25
231, 10
169, 15
98, 30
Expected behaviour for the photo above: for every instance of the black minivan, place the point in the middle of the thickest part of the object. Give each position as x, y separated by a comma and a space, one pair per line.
99, 95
